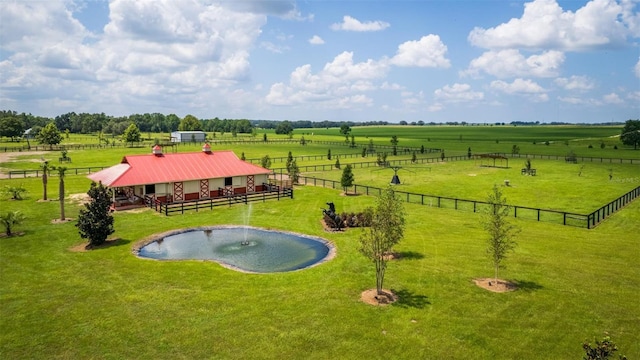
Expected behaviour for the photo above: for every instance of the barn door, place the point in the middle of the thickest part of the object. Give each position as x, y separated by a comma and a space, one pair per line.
204, 188
250, 184
178, 192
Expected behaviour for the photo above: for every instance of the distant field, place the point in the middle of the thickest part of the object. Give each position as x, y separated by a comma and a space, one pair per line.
557, 185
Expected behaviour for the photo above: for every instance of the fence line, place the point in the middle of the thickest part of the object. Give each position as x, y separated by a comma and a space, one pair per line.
555, 216
276, 192
609, 209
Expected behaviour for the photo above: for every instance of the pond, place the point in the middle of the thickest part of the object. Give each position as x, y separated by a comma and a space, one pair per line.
242, 248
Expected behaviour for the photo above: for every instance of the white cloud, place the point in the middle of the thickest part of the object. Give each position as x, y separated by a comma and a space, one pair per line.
527, 88
634, 96
511, 63
316, 40
458, 93
545, 25
429, 51
274, 48
339, 83
575, 83
351, 24
612, 98
636, 69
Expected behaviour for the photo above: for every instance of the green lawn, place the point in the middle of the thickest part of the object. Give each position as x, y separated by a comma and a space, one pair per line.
578, 188
575, 283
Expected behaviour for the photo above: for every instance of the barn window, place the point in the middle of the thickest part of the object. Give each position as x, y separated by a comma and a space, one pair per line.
150, 189
228, 181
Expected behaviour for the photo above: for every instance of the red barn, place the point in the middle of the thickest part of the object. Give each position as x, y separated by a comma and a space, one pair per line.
180, 176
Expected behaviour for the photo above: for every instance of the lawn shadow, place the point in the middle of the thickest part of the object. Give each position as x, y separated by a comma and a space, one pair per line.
407, 299
525, 285
107, 244
409, 255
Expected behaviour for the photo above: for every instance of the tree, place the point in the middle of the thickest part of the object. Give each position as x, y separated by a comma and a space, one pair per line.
189, 123
515, 149
265, 162
14, 191
329, 154
264, 137
394, 143
414, 157
49, 135
345, 129
387, 229
371, 149
131, 134
284, 128
303, 142
501, 232
353, 141
95, 222
337, 165
12, 127
602, 350
347, 179
46, 168
631, 133
242, 157
469, 153
289, 161
294, 172
10, 219
61, 171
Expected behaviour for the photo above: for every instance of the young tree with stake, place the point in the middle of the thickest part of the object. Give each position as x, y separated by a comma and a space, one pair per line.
387, 229
501, 232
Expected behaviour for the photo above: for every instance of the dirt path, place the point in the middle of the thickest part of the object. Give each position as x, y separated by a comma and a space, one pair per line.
7, 157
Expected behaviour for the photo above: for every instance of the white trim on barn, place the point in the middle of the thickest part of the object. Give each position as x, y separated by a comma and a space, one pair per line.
188, 136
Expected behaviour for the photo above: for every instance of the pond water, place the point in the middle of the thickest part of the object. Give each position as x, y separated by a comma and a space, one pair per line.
244, 248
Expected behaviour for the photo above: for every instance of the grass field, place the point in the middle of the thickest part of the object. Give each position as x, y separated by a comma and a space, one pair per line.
575, 283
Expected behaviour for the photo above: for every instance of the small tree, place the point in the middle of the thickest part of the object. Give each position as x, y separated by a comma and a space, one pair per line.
414, 157
421, 149
61, 174
294, 172
329, 154
289, 161
337, 165
303, 142
15, 192
442, 156
46, 168
371, 149
347, 179
501, 232
387, 229
515, 149
364, 152
131, 134
10, 219
95, 222
265, 162
394, 143
49, 135
631, 133
469, 153
602, 350
353, 141
264, 137
242, 157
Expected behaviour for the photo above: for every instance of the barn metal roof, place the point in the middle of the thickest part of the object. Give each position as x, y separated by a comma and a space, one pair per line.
167, 168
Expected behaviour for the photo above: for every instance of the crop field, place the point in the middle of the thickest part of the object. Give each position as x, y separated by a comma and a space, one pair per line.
574, 284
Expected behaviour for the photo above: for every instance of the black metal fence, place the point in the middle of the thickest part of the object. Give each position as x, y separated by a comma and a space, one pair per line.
524, 212
607, 210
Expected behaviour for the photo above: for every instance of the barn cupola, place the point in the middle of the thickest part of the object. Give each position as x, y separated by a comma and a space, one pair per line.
206, 148
157, 150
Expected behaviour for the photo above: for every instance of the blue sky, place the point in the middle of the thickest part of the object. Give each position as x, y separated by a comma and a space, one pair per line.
366, 60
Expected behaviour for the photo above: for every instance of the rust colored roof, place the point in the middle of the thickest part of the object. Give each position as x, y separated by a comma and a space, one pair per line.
154, 169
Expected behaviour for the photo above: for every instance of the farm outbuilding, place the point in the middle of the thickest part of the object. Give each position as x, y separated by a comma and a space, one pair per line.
187, 136
167, 178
